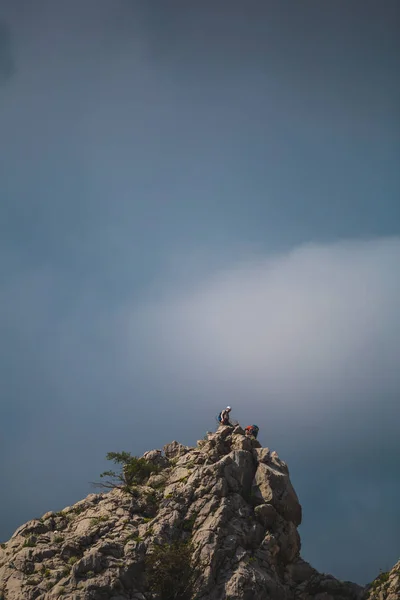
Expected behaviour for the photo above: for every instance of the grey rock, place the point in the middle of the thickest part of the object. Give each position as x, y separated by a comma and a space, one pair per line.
156, 457
229, 496
272, 486
266, 514
175, 449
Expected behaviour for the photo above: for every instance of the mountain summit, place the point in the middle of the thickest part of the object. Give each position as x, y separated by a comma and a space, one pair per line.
213, 522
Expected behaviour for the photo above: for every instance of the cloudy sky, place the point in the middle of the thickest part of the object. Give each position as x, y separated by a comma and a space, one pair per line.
199, 204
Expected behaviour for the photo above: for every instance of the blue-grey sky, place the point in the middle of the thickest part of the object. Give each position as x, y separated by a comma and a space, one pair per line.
200, 204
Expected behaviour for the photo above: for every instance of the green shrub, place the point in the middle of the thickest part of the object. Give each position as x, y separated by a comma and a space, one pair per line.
77, 510
151, 498
73, 560
58, 539
188, 523
169, 573
97, 520
380, 580
135, 538
134, 491
30, 542
133, 471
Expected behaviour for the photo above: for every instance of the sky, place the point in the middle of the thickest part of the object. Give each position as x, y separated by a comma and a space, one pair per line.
199, 206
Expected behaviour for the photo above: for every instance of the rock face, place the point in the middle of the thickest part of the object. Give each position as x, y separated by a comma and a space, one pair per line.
229, 500
386, 586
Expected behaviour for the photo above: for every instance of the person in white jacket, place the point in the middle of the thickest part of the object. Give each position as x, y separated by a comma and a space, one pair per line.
225, 416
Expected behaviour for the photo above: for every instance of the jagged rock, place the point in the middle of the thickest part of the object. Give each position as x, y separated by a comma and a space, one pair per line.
238, 430
386, 586
232, 499
175, 449
266, 514
272, 486
241, 442
93, 561
156, 457
300, 570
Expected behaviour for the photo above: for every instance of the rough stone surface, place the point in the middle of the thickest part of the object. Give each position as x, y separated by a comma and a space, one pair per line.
231, 498
174, 449
386, 586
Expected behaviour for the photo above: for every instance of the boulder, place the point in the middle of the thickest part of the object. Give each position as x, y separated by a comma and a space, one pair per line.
266, 514
272, 486
175, 449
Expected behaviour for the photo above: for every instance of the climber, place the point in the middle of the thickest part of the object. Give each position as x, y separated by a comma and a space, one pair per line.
251, 431
223, 417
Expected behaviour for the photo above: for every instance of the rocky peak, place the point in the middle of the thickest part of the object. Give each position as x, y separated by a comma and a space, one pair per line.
386, 586
216, 521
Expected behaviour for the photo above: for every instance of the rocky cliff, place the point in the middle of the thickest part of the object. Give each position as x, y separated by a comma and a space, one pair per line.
386, 586
217, 521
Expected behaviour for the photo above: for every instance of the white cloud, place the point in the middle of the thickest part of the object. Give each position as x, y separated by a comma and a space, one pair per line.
318, 326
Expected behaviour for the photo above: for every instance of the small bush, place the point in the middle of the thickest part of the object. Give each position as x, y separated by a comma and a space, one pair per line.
4, 546
151, 498
47, 573
134, 538
30, 542
169, 573
77, 510
133, 471
90, 574
188, 523
73, 560
380, 580
58, 539
97, 520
